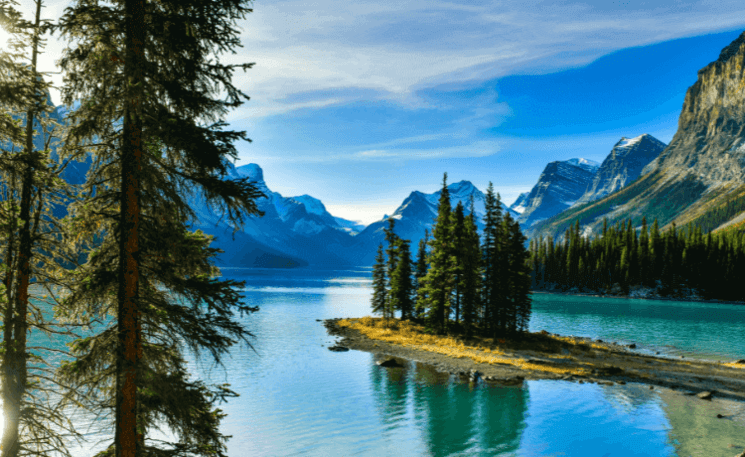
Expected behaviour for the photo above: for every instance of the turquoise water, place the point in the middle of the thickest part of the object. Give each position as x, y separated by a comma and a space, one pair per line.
300, 399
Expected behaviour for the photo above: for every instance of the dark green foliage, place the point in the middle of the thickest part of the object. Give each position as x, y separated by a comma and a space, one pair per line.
621, 258
402, 288
471, 280
420, 273
439, 282
380, 293
150, 273
483, 288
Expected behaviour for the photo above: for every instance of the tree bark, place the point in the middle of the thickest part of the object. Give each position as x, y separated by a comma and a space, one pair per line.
129, 439
15, 363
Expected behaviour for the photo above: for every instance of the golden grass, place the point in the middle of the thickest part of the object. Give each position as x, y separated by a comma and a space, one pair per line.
734, 365
408, 334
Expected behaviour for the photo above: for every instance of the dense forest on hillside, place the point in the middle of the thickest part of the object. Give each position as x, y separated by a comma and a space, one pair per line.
676, 262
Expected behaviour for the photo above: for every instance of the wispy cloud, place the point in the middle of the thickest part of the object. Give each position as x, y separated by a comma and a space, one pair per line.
394, 49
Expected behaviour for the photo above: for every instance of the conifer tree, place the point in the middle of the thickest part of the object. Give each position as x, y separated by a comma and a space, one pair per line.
493, 291
471, 280
33, 424
420, 274
393, 254
380, 294
518, 278
402, 288
146, 74
438, 284
457, 221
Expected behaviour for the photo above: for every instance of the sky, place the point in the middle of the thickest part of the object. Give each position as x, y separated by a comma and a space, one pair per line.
360, 103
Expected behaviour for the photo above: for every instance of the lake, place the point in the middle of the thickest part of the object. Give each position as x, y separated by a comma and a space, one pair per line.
297, 398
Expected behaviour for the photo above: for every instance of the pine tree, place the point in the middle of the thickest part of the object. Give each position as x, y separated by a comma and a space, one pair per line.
402, 288
438, 284
471, 279
380, 293
393, 255
420, 274
457, 221
33, 425
145, 74
518, 272
494, 286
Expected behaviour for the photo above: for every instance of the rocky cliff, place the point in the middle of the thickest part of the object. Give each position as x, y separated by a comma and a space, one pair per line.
700, 171
622, 166
558, 187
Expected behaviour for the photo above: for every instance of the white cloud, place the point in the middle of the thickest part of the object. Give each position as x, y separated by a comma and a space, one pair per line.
395, 48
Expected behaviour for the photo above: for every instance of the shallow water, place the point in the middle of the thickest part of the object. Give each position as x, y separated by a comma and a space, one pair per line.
300, 399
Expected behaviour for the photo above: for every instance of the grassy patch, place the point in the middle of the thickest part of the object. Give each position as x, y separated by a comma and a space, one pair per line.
480, 350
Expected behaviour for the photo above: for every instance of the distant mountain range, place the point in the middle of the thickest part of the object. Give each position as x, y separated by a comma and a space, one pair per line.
699, 178
566, 184
558, 187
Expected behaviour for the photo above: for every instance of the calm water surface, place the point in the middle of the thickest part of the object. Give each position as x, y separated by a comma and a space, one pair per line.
300, 399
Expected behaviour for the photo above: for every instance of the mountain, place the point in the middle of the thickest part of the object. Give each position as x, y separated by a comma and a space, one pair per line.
294, 231
416, 214
699, 177
519, 205
315, 206
558, 187
623, 165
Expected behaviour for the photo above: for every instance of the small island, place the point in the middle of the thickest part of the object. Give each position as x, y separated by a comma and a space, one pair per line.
539, 355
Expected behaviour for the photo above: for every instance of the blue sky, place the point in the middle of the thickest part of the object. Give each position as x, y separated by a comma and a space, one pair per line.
359, 103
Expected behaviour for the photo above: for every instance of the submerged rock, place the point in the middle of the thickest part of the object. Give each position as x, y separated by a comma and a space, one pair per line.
390, 363
338, 349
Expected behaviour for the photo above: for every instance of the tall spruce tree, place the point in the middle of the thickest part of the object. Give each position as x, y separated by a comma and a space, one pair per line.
146, 75
438, 284
493, 291
420, 273
393, 254
518, 278
471, 278
33, 424
402, 289
380, 294
458, 223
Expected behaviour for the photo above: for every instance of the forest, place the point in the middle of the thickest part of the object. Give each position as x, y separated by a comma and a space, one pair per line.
675, 262
459, 284
111, 264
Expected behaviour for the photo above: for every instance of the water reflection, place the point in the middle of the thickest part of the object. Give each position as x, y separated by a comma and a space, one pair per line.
453, 417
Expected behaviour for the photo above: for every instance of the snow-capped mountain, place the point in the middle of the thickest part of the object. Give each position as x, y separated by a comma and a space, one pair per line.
623, 165
698, 176
558, 188
417, 213
297, 230
520, 203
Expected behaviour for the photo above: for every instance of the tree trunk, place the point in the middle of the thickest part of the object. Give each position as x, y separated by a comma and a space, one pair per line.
15, 358
129, 439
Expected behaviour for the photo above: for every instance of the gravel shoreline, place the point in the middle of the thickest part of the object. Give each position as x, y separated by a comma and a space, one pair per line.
615, 364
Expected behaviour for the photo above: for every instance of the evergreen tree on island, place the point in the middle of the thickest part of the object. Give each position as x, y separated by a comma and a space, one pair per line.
419, 275
438, 283
380, 293
402, 288
493, 290
471, 279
